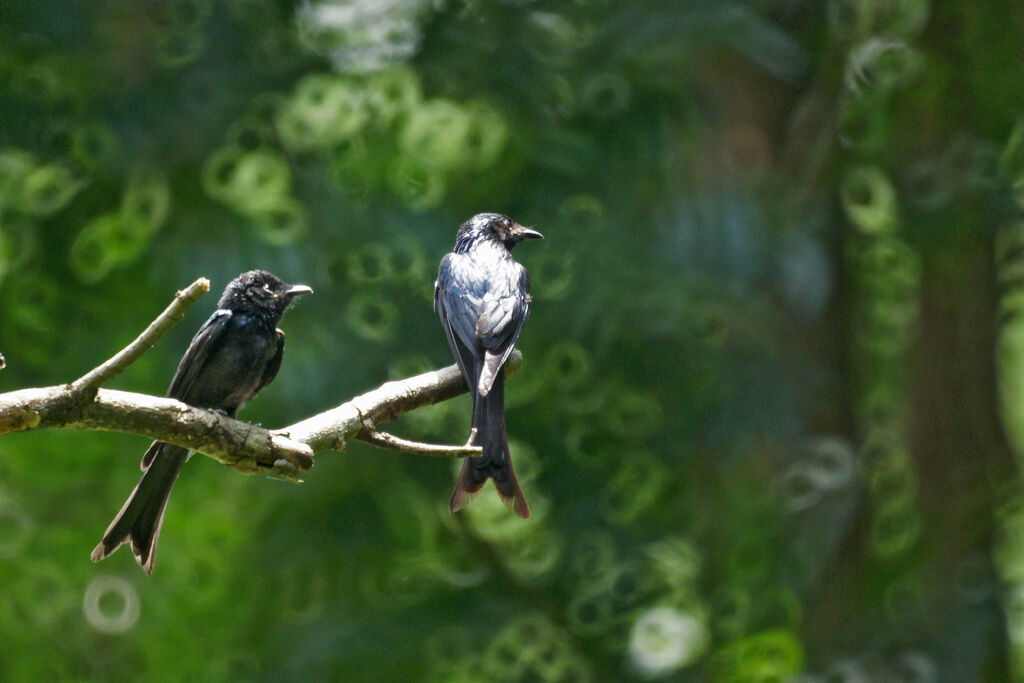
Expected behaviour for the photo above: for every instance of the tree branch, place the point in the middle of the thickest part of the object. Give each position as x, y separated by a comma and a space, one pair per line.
332, 429
243, 446
248, 448
85, 386
358, 418
390, 441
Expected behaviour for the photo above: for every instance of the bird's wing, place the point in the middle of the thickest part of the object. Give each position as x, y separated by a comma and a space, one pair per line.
206, 340
458, 309
498, 327
274, 364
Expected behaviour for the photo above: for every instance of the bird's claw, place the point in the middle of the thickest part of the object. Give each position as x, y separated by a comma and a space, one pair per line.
472, 437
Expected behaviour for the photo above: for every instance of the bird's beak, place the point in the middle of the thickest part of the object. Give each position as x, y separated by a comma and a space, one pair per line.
529, 234
298, 290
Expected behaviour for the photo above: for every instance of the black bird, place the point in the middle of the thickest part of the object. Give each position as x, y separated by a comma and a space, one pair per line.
236, 353
482, 295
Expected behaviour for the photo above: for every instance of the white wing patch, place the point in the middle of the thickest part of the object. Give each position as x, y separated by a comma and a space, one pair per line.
490, 370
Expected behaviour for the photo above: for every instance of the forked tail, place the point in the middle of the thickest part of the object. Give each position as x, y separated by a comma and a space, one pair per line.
494, 463
140, 519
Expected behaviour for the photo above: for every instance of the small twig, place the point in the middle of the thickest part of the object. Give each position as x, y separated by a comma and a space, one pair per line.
86, 386
396, 443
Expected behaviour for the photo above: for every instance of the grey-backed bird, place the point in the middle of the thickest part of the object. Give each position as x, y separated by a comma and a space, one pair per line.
236, 353
482, 295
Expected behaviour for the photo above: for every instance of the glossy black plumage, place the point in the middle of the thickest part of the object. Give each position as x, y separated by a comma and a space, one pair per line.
482, 296
236, 353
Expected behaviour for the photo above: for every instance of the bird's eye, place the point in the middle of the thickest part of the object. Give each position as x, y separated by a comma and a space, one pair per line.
268, 289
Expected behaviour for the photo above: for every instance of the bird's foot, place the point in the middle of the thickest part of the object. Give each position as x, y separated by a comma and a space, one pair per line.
472, 437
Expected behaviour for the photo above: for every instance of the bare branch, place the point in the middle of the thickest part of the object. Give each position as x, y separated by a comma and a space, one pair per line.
332, 429
396, 443
245, 447
92, 380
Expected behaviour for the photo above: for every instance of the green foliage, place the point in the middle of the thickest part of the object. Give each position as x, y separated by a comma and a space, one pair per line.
758, 422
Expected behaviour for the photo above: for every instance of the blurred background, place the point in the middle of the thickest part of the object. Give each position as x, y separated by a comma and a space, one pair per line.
773, 392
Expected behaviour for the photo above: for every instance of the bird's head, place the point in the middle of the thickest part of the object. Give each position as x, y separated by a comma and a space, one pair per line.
261, 291
494, 226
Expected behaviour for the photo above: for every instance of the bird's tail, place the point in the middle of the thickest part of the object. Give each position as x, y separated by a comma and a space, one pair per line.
140, 519
494, 463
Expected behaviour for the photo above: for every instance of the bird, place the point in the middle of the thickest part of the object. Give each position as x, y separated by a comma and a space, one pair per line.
482, 296
235, 353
